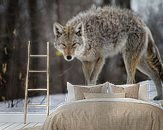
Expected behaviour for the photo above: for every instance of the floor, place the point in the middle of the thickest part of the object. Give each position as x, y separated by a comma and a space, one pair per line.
17, 126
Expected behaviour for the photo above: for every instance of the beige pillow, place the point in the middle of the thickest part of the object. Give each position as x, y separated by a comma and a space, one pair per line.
76, 92
103, 95
131, 90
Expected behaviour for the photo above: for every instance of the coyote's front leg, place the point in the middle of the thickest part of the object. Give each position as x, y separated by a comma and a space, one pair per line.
99, 63
87, 67
92, 69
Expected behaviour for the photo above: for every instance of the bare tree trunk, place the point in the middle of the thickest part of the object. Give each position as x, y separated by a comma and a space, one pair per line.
11, 42
107, 2
3, 48
123, 3
120, 3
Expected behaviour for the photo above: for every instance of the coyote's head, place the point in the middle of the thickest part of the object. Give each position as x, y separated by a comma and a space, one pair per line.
68, 40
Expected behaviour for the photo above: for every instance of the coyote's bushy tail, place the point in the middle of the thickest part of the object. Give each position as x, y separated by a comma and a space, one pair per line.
161, 77
154, 55
161, 74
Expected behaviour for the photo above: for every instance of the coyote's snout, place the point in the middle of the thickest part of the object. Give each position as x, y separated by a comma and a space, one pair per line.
94, 35
68, 53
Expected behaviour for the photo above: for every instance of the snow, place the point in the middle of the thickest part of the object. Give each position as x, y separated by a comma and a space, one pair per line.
55, 100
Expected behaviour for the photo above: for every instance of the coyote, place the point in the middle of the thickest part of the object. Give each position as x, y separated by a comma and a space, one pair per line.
98, 33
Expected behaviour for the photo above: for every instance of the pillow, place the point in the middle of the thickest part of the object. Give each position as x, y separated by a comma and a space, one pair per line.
130, 90
76, 92
147, 90
103, 95
161, 103
144, 91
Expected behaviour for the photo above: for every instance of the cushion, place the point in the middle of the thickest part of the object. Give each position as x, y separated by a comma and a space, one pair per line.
130, 90
147, 90
144, 91
103, 95
161, 103
76, 92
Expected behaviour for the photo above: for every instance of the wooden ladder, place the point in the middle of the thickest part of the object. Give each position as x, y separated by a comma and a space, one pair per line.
36, 89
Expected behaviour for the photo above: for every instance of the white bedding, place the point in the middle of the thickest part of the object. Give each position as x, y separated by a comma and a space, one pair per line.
104, 114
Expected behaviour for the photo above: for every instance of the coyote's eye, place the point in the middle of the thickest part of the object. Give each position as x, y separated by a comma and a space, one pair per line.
63, 45
74, 45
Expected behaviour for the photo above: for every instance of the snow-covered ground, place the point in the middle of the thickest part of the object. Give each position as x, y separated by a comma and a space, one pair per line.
55, 100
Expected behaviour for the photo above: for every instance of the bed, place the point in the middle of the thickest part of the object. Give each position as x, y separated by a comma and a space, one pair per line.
106, 113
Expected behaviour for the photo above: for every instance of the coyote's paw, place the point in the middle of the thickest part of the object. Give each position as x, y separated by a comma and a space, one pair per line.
158, 98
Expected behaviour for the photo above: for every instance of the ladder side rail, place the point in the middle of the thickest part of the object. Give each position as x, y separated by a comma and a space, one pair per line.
47, 78
26, 86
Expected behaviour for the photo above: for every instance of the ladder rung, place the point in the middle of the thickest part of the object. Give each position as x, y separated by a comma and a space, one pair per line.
38, 105
38, 55
38, 89
37, 71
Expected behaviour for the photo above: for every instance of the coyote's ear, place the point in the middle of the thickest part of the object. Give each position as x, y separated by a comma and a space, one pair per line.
58, 29
79, 29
